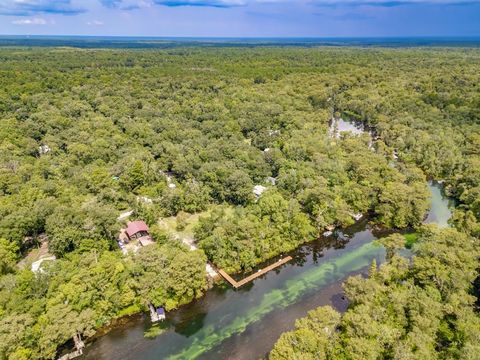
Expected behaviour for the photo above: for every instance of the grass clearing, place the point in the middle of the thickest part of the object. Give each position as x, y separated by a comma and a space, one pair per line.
187, 223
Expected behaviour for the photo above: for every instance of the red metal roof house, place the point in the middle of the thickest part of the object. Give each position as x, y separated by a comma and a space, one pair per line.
138, 230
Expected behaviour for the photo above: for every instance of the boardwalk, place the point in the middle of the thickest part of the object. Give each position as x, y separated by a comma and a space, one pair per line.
237, 284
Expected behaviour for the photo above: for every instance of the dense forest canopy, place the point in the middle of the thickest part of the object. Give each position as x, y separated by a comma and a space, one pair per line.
87, 134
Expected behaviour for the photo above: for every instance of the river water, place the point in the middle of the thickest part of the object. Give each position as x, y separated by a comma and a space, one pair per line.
245, 323
340, 125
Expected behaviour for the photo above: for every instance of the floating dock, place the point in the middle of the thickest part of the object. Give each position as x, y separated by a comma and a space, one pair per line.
237, 284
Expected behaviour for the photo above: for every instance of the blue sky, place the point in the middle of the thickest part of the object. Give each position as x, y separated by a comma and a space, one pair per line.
241, 18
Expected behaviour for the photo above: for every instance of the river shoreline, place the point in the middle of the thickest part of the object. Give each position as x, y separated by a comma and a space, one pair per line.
315, 248
191, 328
234, 311
219, 281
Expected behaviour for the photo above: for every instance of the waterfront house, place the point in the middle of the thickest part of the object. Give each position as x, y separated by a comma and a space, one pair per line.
157, 314
161, 313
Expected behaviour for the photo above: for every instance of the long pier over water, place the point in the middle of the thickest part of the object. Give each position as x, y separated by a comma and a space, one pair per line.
237, 284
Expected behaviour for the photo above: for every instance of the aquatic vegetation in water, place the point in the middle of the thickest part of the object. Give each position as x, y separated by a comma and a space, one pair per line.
155, 330
326, 273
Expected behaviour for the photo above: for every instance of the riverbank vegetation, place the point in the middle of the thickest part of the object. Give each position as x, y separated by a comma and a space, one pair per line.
86, 289
87, 134
419, 310
427, 308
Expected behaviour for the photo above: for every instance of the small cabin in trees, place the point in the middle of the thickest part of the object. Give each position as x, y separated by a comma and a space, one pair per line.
138, 230
258, 190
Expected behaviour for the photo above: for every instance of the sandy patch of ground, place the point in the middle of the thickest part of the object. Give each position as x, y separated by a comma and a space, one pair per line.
35, 255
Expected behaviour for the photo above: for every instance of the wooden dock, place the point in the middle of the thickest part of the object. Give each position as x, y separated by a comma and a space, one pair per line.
237, 284
72, 355
79, 345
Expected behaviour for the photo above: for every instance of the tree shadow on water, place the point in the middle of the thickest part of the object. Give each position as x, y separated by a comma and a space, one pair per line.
190, 325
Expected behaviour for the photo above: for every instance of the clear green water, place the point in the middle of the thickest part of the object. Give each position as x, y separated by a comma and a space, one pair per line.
245, 323
293, 289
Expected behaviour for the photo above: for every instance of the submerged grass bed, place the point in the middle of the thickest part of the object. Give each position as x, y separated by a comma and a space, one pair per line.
328, 272
155, 330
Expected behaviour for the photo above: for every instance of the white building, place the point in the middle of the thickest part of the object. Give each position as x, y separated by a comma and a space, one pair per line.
258, 190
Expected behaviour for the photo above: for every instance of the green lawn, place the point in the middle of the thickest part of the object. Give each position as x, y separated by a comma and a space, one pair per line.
170, 224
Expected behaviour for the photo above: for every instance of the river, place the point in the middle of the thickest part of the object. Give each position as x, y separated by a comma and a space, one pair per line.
245, 323
341, 125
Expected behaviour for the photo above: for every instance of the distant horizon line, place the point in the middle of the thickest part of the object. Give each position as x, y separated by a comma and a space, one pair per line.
449, 37
163, 42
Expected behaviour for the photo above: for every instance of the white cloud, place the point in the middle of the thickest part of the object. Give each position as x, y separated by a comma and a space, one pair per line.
33, 7
387, 3
205, 3
33, 21
138, 4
